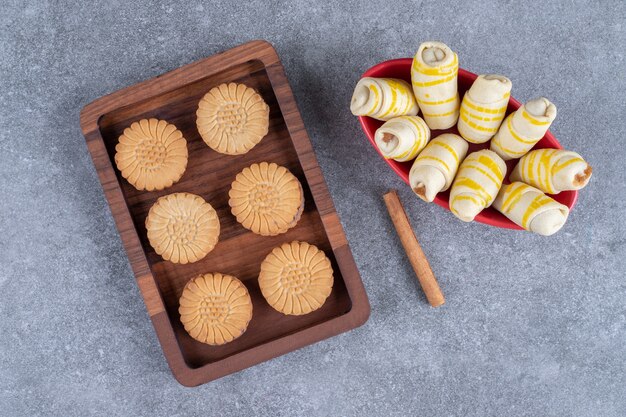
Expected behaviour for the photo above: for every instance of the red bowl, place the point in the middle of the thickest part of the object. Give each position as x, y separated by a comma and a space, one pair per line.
401, 68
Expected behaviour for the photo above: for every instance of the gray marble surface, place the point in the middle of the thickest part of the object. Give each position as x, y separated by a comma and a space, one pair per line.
532, 326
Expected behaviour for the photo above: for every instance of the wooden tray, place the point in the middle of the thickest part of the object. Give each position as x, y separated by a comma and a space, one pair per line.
174, 97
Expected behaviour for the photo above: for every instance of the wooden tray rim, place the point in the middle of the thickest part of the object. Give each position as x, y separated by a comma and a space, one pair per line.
89, 118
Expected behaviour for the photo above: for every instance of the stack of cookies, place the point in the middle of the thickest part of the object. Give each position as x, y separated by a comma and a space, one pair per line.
296, 277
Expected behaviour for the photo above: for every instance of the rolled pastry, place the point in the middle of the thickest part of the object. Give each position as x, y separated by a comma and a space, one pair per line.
435, 167
383, 98
476, 184
483, 107
402, 138
531, 209
552, 170
434, 78
523, 128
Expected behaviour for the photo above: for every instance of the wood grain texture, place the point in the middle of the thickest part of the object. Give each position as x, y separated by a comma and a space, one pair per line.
174, 97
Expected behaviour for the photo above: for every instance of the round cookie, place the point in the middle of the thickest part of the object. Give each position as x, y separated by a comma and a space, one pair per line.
151, 154
182, 227
215, 308
266, 198
232, 118
296, 278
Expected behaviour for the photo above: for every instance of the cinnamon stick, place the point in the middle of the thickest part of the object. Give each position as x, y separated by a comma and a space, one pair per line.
413, 250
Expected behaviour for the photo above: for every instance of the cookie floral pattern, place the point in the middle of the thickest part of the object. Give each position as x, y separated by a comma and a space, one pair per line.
266, 199
151, 154
215, 308
182, 227
296, 278
232, 118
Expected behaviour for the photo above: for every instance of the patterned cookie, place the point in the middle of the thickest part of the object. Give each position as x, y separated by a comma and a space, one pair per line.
151, 154
215, 309
182, 227
232, 118
296, 278
266, 199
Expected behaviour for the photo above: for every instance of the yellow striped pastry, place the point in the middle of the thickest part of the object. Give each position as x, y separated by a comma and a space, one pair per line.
523, 128
434, 78
435, 167
483, 108
476, 184
402, 138
552, 170
531, 209
383, 98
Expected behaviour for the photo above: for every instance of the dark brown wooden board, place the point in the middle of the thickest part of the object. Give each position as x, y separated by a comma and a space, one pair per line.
174, 97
